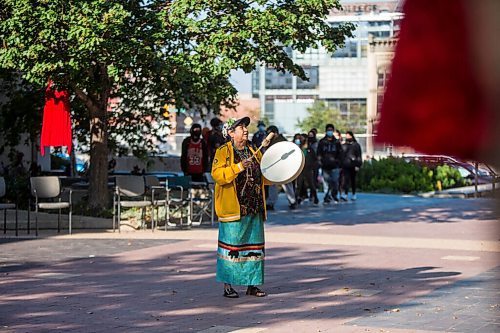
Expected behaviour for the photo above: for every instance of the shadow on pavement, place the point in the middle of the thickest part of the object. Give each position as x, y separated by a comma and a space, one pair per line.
174, 290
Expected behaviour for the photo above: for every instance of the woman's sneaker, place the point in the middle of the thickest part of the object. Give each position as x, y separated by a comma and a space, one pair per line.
353, 198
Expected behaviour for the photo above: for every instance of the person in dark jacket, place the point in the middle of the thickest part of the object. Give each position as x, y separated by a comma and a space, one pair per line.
330, 160
215, 138
352, 161
312, 142
194, 156
307, 178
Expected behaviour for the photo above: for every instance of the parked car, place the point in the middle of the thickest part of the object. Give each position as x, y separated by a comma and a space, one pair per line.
62, 161
485, 173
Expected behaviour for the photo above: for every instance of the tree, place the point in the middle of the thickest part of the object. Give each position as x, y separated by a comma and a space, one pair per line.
20, 110
321, 114
144, 54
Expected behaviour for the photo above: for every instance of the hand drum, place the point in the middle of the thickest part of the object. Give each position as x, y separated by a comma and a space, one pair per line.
282, 162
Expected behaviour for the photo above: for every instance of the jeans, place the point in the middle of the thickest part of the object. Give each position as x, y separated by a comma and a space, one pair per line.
274, 191
331, 177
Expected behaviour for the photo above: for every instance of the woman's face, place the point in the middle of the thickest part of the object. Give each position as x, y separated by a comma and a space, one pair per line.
239, 134
348, 136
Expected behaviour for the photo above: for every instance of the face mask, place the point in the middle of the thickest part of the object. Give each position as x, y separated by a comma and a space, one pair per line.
196, 135
297, 142
349, 140
329, 134
262, 128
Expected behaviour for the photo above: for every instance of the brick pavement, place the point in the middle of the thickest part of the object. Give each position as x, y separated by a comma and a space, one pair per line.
367, 266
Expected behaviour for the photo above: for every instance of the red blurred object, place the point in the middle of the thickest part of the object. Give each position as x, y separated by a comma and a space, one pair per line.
56, 128
433, 102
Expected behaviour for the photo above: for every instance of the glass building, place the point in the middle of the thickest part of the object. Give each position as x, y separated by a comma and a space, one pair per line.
339, 78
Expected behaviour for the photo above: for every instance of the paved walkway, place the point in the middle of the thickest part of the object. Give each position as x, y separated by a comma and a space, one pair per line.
381, 264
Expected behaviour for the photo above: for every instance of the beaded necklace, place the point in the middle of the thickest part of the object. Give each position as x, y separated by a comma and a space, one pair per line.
243, 155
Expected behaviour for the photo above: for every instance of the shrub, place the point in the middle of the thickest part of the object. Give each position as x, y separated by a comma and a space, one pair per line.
395, 175
449, 177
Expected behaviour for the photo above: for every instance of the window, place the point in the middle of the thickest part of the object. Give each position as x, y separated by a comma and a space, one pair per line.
313, 74
381, 80
343, 106
350, 50
255, 83
278, 80
380, 33
379, 23
382, 77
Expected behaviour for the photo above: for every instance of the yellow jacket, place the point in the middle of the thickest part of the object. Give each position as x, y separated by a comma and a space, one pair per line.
224, 173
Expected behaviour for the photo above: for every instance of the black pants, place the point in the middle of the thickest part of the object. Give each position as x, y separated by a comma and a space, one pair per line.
349, 175
307, 181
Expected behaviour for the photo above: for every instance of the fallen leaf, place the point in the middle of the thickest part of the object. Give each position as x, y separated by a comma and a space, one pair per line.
392, 310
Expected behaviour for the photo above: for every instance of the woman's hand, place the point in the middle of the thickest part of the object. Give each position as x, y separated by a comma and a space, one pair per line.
247, 163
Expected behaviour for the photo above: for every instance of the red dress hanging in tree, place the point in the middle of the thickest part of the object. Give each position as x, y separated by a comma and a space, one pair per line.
56, 128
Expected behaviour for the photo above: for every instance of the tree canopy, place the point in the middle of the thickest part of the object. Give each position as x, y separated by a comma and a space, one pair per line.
143, 54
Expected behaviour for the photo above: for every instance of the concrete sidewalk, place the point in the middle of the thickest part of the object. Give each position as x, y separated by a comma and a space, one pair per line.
380, 264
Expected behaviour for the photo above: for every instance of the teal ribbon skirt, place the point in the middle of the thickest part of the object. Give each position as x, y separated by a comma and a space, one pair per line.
240, 252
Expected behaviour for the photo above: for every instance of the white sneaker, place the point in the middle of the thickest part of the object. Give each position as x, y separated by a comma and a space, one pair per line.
353, 198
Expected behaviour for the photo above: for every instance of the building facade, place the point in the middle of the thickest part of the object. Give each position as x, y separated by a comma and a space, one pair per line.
340, 78
380, 55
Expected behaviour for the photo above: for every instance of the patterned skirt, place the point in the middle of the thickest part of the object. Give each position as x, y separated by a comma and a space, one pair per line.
240, 253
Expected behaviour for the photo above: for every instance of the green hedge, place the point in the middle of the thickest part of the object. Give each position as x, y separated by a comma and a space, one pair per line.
395, 175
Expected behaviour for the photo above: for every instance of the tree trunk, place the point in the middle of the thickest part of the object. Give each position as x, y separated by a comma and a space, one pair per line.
98, 172
98, 175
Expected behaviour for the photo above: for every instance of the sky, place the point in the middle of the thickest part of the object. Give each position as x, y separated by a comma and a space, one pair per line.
241, 81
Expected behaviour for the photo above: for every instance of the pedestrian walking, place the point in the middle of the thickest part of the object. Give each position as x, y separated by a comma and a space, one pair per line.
312, 141
240, 206
330, 158
338, 135
306, 182
351, 163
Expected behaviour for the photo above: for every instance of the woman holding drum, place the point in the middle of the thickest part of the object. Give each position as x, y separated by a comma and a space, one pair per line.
240, 206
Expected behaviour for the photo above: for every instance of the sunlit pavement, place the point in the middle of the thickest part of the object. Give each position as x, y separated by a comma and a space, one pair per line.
380, 264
